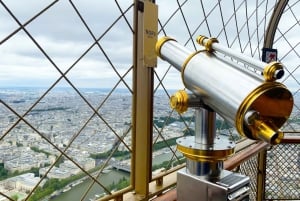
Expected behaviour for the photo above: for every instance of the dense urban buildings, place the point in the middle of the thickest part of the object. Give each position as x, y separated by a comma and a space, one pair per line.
64, 121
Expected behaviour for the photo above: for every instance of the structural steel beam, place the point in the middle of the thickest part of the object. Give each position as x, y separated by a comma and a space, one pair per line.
144, 59
273, 23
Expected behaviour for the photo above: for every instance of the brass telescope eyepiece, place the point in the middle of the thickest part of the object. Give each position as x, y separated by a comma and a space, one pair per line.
262, 130
266, 133
273, 71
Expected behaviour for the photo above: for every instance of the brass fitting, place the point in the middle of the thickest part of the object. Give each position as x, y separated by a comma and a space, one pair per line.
219, 151
208, 44
179, 101
188, 59
160, 43
265, 124
200, 39
266, 133
273, 71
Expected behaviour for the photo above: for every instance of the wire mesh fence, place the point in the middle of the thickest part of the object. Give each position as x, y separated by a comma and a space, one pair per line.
250, 169
282, 172
66, 89
64, 85
282, 165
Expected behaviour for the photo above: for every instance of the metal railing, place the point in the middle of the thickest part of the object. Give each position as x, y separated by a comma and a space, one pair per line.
278, 184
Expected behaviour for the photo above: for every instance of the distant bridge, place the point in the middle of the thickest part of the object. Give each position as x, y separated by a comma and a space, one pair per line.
122, 167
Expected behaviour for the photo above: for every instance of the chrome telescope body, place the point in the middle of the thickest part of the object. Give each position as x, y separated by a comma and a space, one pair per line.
257, 105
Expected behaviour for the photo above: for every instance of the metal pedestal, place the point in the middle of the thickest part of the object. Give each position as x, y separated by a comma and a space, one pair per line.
204, 178
228, 186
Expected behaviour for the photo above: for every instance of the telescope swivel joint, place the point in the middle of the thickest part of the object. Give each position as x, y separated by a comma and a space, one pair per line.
181, 101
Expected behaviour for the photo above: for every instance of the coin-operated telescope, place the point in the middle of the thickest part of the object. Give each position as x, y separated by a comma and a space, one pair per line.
221, 82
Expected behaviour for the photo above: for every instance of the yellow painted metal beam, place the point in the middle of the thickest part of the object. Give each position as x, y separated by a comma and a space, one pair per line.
261, 175
145, 36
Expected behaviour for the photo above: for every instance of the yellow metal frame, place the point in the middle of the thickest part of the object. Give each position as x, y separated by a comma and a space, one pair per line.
144, 59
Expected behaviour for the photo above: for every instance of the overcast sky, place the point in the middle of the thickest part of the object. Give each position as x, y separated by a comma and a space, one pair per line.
62, 35
64, 38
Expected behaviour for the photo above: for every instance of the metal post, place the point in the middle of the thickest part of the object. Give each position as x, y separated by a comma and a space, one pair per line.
205, 133
205, 126
261, 175
145, 31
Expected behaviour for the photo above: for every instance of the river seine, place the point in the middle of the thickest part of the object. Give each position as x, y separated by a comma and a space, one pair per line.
77, 192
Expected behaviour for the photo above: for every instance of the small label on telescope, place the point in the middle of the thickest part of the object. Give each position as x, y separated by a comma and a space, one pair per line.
269, 55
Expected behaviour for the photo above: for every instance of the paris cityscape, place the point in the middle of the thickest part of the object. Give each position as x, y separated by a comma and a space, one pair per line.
62, 120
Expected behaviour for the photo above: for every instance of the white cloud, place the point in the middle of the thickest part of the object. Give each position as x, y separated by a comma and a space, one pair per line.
62, 35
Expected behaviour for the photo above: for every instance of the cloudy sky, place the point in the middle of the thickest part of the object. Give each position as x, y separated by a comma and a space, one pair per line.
61, 34
61, 38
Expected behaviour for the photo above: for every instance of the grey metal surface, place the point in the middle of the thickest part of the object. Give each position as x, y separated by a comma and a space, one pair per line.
229, 186
222, 143
205, 126
206, 169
